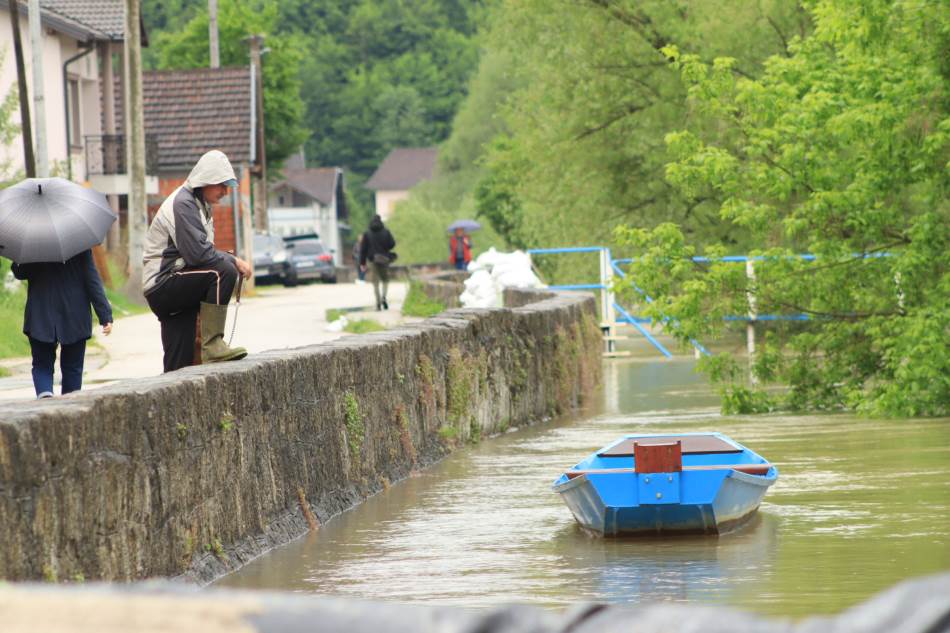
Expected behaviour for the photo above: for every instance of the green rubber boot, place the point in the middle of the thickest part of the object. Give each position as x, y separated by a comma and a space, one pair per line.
213, 347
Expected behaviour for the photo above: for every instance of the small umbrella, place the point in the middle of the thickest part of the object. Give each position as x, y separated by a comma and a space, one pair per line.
468, 226
51, 220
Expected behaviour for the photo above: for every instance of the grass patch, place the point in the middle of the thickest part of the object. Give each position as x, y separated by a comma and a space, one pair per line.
13, 342
333, 314
4, 372
418, 304
363, 326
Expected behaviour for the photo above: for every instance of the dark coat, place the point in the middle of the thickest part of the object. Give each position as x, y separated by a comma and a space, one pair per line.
377, 239
58, 298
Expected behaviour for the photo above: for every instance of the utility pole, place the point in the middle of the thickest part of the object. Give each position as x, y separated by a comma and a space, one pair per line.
213, 33
39, 98
261, 223
135, 145
26, 130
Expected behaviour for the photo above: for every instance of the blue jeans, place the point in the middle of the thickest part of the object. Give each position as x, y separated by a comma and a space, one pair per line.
71, 359
460, 264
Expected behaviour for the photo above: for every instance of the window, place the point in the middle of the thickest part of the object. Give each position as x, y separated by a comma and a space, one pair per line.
75, 118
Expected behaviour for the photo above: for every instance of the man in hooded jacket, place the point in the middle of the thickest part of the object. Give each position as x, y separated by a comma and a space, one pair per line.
184, 275
376, 248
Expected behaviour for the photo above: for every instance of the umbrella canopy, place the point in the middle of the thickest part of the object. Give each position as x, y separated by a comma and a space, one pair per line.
466, 225
51, 219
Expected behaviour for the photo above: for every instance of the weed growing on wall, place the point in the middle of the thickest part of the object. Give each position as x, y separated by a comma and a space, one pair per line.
402, 428
353, 421
461, 379
425, 371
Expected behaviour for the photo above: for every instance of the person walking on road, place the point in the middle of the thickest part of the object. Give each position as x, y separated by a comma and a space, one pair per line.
357, 249
184, 276
460, 249
376, 249
57, 312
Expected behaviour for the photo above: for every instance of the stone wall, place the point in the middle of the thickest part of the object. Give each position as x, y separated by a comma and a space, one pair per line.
195, 473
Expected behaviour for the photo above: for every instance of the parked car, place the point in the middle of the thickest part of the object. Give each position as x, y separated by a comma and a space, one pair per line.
270, 258
308, 259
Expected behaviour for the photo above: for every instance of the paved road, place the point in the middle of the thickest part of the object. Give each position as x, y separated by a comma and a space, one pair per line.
275, 318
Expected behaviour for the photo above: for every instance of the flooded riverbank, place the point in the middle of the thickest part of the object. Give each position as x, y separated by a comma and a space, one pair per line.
859, 505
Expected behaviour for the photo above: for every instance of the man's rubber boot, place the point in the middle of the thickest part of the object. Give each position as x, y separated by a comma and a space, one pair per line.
213, 347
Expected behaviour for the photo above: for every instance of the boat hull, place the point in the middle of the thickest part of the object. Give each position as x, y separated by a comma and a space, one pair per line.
703, 500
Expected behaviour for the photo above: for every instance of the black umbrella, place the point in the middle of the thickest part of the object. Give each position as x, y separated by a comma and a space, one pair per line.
51, 219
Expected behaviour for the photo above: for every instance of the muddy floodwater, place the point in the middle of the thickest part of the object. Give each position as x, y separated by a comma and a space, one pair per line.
859, 505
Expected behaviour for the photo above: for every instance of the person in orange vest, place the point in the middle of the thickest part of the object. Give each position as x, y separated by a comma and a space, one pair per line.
460, 249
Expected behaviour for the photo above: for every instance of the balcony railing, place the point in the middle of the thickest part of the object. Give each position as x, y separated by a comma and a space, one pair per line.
105, 155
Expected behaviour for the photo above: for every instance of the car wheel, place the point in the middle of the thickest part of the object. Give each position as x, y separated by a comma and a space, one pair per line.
331, 280
289, 281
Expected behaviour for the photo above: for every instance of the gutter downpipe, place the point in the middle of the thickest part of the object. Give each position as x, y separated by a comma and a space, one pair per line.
77, 56
238, 232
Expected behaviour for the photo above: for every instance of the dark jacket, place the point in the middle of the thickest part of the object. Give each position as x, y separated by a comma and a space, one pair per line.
58, 298
377, 239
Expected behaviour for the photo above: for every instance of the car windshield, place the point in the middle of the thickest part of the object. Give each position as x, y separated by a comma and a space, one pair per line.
308, 248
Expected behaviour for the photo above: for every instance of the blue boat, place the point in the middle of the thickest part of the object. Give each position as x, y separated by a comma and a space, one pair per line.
689, 483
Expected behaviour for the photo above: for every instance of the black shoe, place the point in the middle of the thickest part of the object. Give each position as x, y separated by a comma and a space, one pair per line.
385, 305
379, 307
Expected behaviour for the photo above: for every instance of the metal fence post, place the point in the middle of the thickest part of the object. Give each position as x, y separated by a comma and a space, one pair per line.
750, 327
608, 318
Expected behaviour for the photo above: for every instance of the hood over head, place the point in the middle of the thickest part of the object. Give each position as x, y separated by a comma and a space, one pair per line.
376, 224
213, 168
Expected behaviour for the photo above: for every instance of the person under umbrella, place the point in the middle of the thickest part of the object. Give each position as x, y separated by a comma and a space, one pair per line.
184, 275
47, 227
460, 242
57, 313
460, 249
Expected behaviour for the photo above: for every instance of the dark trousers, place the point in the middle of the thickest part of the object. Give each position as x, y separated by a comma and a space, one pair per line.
176, 304
71, 359
460, 264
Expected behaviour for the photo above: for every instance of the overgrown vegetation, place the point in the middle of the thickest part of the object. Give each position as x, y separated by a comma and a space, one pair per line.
418, 304
840, 148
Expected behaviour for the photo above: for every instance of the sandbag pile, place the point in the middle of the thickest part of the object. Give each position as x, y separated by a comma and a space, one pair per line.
492, 272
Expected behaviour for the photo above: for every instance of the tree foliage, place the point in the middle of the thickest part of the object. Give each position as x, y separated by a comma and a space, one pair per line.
581, 146
841, 148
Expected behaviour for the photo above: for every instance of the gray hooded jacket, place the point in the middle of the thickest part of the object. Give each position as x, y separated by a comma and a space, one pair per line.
182, 232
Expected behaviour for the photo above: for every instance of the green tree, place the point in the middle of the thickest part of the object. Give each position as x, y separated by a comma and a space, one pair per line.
283, 110
842, 149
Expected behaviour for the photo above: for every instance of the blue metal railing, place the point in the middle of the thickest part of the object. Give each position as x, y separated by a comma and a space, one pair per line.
615, 266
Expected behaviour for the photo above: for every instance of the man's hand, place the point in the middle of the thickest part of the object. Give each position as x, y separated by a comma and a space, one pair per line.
107, 329
363, 268
243, 268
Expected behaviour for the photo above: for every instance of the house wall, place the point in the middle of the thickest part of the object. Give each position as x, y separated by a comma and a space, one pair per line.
386, 202
57, 48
